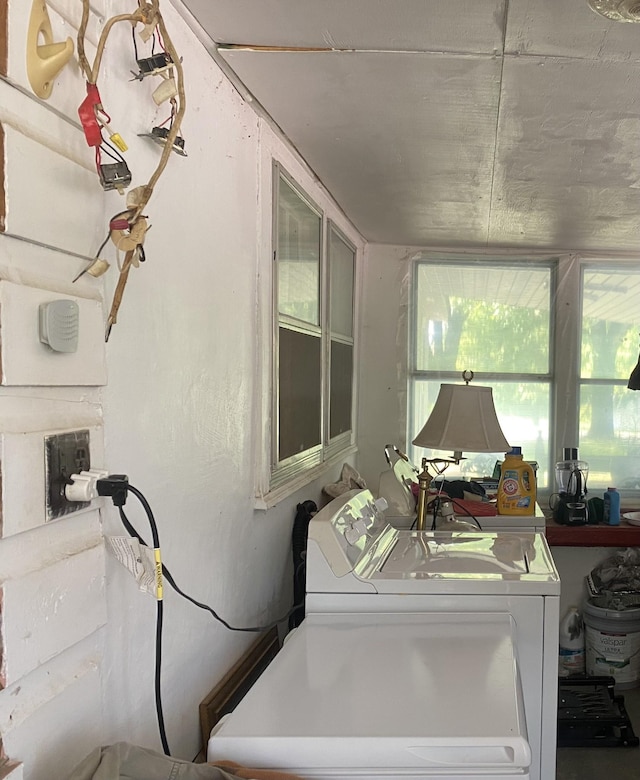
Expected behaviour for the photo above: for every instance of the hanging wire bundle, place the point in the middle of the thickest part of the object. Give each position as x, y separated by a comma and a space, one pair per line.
127, 228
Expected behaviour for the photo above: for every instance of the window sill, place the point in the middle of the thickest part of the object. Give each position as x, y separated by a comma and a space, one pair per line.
623, 535
274, 497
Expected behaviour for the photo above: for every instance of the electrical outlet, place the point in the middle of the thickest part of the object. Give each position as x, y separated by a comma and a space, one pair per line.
65, 454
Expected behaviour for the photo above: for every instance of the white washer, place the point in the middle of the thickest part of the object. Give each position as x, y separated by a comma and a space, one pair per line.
430, 656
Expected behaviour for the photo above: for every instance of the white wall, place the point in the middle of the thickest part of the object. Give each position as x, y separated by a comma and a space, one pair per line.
182, 413
383, 354
187, 369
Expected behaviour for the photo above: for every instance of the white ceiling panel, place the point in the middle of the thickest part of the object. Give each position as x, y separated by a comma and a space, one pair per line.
568, 28
403, 25
568, 155
505, 123
403, 163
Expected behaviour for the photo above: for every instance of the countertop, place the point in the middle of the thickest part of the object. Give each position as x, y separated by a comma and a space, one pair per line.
600, 535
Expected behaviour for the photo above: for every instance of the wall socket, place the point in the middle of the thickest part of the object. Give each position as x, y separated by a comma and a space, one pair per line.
65, 454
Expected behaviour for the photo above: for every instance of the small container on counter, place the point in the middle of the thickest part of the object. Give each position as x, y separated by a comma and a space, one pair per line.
611, 511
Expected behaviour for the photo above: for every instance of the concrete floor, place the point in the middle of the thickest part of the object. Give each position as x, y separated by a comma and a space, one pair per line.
614, 763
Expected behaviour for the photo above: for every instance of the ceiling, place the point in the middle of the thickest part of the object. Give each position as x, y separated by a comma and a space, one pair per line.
457, 123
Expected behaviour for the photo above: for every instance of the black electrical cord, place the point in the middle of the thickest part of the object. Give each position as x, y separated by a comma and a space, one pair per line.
159, 621
169, 577
105, 146
117, 488
135, 45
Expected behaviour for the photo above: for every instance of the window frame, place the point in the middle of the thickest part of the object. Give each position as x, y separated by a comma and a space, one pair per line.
564, 377
343, 440
284, 475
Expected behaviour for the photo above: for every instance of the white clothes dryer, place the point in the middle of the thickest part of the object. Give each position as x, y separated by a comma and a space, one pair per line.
423, 655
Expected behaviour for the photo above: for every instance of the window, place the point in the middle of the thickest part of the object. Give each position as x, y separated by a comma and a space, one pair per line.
313, 376
609, 413
556, 339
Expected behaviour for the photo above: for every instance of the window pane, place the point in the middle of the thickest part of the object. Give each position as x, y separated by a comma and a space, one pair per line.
523, 413
610, 435
341, 262
299, 392
298, 257
492, 318
341, 384
610, 322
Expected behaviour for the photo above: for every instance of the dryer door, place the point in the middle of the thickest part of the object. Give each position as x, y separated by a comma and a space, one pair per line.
383, 695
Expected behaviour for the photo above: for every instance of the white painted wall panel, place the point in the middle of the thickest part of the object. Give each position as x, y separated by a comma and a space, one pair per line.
27, 361
34, 119
46, 545
23, 472
62, 732
19, 702
61, 203
50, 610
48, 408
383, 385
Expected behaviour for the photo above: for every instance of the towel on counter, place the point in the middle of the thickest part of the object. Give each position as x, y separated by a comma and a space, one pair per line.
123, 761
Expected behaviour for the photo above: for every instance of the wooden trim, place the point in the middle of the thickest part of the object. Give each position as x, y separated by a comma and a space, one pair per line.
4, 37
9, 769
3, 199
234, 685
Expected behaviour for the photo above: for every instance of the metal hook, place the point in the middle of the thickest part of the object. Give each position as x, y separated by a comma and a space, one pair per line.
44, 61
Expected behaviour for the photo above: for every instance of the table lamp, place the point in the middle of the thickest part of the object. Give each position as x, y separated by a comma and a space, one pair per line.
463, 420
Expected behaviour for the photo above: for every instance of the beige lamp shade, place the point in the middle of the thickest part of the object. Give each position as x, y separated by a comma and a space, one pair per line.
463, 420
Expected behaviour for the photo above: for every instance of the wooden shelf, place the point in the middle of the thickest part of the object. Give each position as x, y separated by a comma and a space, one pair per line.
623, 535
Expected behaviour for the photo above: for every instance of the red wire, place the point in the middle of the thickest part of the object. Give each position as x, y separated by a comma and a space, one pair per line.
160, 41
104, 113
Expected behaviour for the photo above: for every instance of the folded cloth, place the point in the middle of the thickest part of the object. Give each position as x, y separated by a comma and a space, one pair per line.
123, 761
350, 479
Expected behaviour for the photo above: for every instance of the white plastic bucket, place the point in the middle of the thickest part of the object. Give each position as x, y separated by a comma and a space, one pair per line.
612, 640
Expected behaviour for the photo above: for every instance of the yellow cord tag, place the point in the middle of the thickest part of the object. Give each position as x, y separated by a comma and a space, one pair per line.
158, 558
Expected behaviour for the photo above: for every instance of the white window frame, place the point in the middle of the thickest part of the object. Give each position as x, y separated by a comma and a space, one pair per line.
343, 441
565, 324
288, 475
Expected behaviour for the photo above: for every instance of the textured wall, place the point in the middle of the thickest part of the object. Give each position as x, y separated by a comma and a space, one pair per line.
182, 407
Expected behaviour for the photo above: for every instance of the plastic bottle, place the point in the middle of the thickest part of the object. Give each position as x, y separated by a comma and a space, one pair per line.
517, 486
571, 658
611, 512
